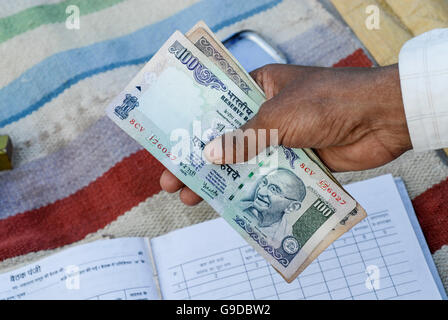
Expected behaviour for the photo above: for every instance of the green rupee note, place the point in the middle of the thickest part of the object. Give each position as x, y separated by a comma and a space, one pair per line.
283, 204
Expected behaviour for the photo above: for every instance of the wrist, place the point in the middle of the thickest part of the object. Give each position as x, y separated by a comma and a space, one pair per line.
387, 112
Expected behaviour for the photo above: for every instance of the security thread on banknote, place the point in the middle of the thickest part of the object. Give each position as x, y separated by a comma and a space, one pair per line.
285, 203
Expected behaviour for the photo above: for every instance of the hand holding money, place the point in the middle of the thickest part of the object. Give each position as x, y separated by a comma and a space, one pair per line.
354, 118
284, 201
330, 110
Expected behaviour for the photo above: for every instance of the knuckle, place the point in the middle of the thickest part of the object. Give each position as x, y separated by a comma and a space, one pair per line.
264, 74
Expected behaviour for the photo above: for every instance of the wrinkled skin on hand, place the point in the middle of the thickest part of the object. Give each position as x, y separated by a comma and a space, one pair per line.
352, 117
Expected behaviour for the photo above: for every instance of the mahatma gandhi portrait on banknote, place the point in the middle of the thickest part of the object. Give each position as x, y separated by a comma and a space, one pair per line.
275, 196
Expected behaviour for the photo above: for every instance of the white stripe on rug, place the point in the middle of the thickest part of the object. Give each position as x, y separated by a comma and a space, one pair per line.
95, 27
293, 24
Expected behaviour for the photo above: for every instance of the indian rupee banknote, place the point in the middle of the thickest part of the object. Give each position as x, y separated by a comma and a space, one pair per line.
206, 41
283, 203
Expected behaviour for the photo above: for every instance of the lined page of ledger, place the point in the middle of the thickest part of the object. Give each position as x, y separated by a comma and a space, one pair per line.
380, 258
116, 269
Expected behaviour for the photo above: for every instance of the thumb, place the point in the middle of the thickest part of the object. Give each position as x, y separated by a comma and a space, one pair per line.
248, 141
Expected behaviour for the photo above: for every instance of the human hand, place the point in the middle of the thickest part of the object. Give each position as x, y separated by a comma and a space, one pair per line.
352, 117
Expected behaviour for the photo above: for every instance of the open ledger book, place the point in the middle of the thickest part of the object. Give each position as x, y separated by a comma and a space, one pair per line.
383, 257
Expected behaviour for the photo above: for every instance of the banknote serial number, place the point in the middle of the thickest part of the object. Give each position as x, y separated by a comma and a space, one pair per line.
325, 185
155, 141
137, 126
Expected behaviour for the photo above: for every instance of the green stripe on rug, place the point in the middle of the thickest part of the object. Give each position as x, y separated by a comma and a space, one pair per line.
34, 17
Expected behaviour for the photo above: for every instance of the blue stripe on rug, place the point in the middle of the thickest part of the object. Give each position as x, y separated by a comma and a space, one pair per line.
52, 76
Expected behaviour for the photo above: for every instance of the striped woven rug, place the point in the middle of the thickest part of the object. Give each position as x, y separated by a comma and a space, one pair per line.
77, 176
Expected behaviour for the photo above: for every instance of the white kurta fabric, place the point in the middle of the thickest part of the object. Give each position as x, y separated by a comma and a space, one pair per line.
423, 65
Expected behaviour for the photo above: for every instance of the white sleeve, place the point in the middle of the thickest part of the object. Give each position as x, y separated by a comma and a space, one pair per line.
423, 65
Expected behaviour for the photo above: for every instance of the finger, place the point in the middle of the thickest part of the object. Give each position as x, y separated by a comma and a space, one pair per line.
188, 197
244, 144
272, 78
257, 75
169, 182
264, 77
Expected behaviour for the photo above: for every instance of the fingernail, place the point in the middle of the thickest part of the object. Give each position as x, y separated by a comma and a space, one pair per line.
213, 151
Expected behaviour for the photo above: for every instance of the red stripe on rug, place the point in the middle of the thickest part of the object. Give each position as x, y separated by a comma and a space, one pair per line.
356, 59
128, 183
432, 213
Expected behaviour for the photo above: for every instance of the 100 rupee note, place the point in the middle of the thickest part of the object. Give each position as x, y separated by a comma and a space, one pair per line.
205, 40
283, 204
